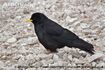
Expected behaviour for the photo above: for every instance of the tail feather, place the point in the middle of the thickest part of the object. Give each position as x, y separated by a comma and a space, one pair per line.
83, 45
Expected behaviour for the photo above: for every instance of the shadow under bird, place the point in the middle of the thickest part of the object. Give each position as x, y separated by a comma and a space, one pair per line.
53, 36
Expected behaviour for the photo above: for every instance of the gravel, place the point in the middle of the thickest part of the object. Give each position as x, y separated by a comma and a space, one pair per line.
20, 48
11, 40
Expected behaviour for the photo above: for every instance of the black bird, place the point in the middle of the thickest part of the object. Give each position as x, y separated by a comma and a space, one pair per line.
52, 36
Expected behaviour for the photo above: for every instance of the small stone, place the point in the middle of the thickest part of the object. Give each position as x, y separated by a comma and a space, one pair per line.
103, 68
37, 64
23, 49
76, 60
99, 43
28, 41
1, 64
59, 63
31, 69
67, 11
87, 31
54, 64
14, 45
69, 19
39, 68
16, 57
83, 53
65, 57
37, 58
22, 61
94, 57
47, 62
66, 49
18, 17
46, 69
44, 62
93, 63
8, 63
72, 19
101, 64
12, 40
75, 54
31, 61
3, 37
12, 16
26, 11
69, 64
103, 40
104, 59
42, 56
76, 23
79, 28
32, 40
84, 25
4, 57
16, 1
30, 56
50, 61
70, 57
61, 53
36, 50
55, 57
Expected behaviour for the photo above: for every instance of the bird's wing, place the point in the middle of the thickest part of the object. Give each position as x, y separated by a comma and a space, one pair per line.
66, 37
53, 28
58, 33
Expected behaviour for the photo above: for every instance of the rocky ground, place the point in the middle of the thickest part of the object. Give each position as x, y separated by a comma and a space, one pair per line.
21, 50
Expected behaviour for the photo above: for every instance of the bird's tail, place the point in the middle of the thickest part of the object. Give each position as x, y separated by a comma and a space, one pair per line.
83, 45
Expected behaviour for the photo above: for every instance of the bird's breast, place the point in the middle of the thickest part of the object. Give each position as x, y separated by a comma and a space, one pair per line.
39, 31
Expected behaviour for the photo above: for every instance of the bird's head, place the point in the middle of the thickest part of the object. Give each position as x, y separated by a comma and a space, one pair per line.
36, 18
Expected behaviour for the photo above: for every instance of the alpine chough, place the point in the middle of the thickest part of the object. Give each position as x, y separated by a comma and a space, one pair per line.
53, 36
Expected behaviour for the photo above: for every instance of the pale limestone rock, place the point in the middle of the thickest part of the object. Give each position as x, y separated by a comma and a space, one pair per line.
70, 57
11, 40
2, 64
37, 64
94, 57
55, 58
31, 69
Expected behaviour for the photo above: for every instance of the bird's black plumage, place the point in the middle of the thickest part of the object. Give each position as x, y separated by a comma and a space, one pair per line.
52, 36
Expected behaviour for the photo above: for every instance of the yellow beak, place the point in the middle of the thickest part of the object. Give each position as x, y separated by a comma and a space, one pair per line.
28, 20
